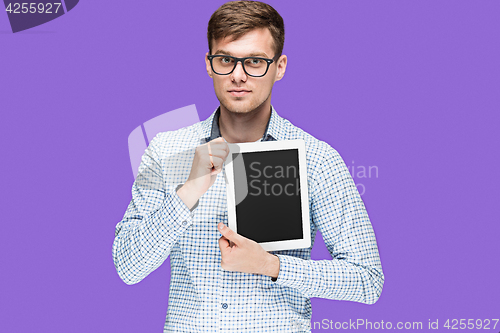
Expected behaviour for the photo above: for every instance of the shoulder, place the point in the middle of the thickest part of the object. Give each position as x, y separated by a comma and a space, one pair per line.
318, 152
326, 170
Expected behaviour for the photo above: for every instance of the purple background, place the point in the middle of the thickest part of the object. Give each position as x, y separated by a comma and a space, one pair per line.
411, 87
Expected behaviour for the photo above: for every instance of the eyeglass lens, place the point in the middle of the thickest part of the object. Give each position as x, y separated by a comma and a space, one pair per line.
253, 66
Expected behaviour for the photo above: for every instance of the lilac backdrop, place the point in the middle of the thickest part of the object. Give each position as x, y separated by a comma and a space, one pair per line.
409, 87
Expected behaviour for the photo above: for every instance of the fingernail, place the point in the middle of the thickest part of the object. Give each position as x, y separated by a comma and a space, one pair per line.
221, 227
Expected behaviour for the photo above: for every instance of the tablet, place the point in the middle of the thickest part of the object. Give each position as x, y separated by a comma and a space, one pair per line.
267, 195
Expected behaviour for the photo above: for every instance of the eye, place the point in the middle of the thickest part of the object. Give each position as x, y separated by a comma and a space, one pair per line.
255, 61
226, 60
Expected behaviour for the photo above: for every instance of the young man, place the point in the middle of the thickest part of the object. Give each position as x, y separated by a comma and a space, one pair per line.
221, 281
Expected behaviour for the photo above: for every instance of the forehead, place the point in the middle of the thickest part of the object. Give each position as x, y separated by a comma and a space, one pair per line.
254, 42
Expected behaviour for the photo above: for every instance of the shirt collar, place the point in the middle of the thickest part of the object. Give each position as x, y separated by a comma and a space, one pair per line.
210, 127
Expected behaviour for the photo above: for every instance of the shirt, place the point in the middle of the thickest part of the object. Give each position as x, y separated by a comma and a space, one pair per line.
205, 298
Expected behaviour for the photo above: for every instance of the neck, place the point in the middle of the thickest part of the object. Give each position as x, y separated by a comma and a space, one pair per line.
244, 127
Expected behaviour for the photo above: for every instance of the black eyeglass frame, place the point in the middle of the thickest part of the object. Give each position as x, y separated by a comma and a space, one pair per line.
236, 60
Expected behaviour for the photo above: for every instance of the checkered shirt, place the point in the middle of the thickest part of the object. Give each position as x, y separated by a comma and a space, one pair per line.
205, 298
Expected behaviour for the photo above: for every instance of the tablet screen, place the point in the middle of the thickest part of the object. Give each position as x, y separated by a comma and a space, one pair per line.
271, 210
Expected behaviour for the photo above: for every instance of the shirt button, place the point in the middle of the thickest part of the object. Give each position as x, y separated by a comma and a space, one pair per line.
184, 222
224, 306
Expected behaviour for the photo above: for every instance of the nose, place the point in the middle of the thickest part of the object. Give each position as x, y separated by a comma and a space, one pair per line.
239, 74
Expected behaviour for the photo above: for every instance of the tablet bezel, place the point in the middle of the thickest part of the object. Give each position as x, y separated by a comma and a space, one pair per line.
247, 147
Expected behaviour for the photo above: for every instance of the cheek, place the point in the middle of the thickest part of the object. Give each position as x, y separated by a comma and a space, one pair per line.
265, 87
218, 84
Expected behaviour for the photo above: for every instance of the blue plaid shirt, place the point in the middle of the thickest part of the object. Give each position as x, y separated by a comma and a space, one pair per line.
205, 298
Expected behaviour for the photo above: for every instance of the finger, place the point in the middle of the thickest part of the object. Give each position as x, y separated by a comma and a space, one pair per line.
218, 151
219, 144
210, 154
223, 243
218, 139
229, 234
214, 163
217, 165
221, 156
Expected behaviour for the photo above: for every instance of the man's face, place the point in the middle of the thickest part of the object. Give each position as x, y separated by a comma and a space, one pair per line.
238, 92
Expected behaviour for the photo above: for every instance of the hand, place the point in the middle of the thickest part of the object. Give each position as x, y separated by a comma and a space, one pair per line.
240, 254
207, 163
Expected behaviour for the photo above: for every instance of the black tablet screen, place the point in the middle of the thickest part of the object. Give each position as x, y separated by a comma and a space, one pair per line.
271, 209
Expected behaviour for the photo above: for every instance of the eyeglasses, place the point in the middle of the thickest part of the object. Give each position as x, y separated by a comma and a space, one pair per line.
253, 66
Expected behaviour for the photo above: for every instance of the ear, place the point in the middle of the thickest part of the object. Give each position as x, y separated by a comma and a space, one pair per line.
281, 66
209, 68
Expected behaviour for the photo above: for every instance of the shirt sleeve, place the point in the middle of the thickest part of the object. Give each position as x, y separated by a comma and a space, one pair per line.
153, 221
355, 272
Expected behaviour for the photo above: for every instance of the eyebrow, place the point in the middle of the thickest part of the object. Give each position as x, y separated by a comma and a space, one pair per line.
254, 54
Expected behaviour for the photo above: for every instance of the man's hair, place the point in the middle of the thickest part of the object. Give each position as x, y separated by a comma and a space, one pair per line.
236, 18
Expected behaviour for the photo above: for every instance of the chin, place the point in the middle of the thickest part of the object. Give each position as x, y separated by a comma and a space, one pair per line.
239, 110
238, 107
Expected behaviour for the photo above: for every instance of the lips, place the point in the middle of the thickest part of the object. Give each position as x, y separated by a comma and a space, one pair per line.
238, 92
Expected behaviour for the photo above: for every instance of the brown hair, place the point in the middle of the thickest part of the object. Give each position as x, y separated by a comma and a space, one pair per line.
236, 18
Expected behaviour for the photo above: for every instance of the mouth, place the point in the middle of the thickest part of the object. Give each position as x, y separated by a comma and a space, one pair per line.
239, 92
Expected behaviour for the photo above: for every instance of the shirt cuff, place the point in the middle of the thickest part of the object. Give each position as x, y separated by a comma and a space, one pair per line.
175, 215
292, 272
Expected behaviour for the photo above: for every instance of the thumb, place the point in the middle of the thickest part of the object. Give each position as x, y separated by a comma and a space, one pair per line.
229, 234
